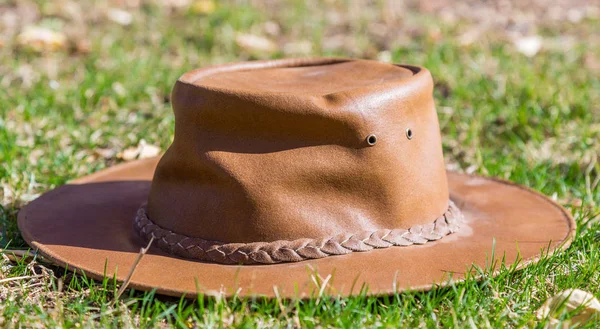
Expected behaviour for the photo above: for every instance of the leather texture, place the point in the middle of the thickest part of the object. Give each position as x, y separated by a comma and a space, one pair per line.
87, 226
282, 251
280, 150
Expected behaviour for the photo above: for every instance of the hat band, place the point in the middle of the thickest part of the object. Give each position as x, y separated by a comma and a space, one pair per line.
282, 251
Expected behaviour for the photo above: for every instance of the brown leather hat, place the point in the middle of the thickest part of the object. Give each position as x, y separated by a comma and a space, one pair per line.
288, 176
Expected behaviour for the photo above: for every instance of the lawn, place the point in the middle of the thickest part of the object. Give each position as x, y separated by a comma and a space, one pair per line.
517, 93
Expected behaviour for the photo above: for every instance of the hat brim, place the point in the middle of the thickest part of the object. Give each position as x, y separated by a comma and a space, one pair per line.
88, 225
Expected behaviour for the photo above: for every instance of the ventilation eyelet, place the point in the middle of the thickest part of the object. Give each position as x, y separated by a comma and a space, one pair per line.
409, 133
371, 139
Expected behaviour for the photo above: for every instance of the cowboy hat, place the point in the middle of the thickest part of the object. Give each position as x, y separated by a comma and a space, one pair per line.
292, 176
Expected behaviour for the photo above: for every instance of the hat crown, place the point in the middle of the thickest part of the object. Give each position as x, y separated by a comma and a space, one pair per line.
293, 149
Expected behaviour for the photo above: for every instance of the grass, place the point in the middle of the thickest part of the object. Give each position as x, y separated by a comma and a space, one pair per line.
533, 120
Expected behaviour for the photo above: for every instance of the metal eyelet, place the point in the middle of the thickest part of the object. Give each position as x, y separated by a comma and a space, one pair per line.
371, 139
409, 133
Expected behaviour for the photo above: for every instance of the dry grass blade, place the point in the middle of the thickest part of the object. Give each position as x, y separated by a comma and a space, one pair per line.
17, 278
132, 270
16, 255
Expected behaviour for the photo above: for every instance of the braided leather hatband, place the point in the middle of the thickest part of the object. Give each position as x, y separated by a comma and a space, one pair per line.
297, 250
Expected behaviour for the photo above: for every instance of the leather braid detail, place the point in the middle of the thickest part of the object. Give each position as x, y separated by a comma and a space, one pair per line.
297, 250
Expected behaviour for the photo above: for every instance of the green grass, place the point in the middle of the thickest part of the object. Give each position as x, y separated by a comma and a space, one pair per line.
535, 121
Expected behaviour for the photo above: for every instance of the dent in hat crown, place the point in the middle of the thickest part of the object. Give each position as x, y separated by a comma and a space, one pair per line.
294, 150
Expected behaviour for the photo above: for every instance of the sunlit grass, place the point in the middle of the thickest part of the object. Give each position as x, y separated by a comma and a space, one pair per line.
533, 120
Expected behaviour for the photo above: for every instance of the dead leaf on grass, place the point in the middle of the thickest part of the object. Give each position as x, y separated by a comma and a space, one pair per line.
41, 39
528, 46
302, 47
255, 43
119, 16
203, 7
142, 151
569, 300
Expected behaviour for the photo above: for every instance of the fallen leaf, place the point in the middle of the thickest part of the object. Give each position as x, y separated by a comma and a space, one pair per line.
335, 42
302, 47
575, 15
35, 155
148, 150
469, 37
272, 28
569, 300
255, 43
385, 56
203, 7
119, 89
175, 3
119, 16
592, 62
41, 39
142, 151
129, 154
106, 153
83, 46
528, 46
